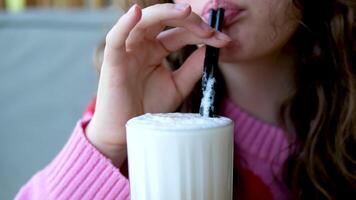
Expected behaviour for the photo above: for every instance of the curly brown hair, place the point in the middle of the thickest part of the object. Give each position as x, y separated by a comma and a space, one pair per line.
322, 108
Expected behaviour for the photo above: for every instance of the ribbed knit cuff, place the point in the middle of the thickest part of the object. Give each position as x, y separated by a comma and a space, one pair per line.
81, 172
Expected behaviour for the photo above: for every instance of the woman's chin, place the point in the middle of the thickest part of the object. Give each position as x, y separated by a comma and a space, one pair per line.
230, 53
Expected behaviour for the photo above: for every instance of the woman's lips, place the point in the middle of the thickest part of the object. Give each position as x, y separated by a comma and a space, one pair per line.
232, 11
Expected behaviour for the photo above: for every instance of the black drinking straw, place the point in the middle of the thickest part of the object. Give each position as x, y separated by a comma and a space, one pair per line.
211, 60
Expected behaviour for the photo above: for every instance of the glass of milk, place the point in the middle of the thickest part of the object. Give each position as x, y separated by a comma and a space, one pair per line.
176, 156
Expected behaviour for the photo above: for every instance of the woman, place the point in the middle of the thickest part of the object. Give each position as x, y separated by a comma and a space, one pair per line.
289, 82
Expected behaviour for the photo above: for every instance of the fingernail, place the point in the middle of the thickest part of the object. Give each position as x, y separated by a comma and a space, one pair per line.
181, 6
222, 36
132, 9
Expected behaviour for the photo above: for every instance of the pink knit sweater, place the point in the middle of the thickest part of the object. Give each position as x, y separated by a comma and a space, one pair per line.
81, 172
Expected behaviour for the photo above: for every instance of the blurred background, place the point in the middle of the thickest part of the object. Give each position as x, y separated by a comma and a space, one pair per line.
47, 78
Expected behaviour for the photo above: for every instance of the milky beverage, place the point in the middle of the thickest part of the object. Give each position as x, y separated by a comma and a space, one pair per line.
176, 156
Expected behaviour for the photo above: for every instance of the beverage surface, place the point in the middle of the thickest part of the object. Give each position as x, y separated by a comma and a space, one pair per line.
178, 121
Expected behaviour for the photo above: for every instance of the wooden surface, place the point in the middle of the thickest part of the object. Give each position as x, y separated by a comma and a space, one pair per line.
42, 3
97, 3
94, 4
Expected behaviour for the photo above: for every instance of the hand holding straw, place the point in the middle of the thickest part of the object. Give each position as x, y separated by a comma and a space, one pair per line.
211, 60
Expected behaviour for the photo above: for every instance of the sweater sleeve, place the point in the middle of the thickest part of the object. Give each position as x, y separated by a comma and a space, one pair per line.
79, 171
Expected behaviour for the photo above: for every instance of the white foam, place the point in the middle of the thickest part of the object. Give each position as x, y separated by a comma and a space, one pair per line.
178, 121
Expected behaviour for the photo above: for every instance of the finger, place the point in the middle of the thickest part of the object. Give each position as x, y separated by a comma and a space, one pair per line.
152, 18
193, 23
176, 38
118, 34
190, 72
157, 17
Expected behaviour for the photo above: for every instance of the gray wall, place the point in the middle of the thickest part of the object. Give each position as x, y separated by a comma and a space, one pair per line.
46, 80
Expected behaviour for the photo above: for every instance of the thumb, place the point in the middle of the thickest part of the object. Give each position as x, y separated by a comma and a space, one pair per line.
190, 72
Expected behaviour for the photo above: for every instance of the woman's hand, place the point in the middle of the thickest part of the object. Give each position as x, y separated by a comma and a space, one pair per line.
135, 77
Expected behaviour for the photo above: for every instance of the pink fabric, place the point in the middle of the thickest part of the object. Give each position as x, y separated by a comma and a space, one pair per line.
260, 148
82, 172
78, 172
